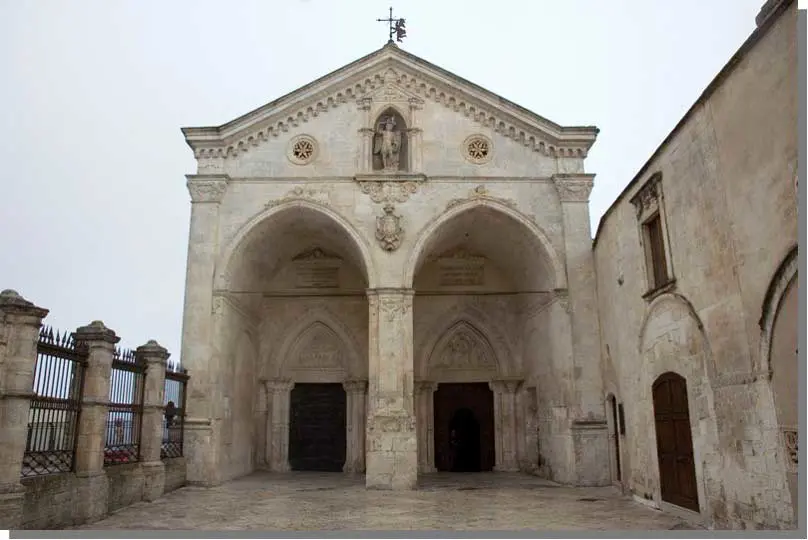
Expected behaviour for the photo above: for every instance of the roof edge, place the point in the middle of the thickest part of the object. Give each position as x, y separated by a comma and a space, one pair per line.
763, 26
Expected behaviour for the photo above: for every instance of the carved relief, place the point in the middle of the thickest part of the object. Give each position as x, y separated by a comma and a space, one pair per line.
647, 199
302, 150
396, 307
204, 191
573, 189
463, 352
318, 348
480, 192
318, 195
478, 149
790, 440
389, 192
389, 232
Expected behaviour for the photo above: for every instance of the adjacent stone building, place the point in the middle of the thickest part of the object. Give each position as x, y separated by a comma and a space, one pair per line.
391, 272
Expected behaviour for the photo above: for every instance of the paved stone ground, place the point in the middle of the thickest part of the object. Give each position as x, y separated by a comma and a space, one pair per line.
315, 501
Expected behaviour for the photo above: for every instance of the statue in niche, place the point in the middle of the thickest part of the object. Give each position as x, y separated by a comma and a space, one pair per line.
387, 143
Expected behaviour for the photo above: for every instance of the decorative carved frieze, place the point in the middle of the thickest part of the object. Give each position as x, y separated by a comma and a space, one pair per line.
393, 84
312, 194
647, 198
207, 188
389, 232
480, 193
388, 192
395, 307
573, 188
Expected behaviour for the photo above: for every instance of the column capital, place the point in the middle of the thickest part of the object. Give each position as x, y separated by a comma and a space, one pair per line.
153, 352
11, 303
422, 386
355, 386
573, 187
96, 331
505, 385
278, 385
207, 188
390, 291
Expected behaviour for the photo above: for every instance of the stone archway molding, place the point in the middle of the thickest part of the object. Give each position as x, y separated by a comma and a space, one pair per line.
786, 272
221, 278
428, 232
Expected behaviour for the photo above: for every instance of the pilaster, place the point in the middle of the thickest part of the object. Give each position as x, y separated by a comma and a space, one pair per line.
206, 193
356, 402
505, 446
278, 398
425, 414
392, 454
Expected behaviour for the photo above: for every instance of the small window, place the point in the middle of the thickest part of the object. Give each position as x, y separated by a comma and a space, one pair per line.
655, 247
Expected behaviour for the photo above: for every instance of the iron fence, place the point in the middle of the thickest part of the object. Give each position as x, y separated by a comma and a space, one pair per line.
174, 411
53, 416
125, 416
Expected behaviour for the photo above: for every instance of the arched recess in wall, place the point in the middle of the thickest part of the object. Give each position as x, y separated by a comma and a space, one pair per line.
269, 232
462, 354
318, 325
538, 266
393, 120
783, 277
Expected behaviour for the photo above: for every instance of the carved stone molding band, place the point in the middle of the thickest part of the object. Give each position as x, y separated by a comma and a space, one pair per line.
647, 199
318, 195
480, 193
573, 189
206, 189
388, 192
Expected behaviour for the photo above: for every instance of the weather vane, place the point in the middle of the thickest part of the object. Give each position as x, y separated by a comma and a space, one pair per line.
396, 27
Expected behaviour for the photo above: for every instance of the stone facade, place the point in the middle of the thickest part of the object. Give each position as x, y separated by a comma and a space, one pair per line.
724, 184
394, 228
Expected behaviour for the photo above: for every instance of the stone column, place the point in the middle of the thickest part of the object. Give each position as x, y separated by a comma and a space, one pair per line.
573, 191
20, 321
201, 441
392, 455
356, 392
151, 438
415, 136
278, 393
505, 423
90, 473
425, 423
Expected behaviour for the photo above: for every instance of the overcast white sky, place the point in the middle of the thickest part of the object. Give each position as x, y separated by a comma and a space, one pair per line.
94, 210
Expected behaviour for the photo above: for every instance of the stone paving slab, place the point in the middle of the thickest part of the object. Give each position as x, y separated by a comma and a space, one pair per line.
332, 501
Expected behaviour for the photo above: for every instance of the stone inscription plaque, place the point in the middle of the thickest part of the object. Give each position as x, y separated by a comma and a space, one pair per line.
461, 274
310, 276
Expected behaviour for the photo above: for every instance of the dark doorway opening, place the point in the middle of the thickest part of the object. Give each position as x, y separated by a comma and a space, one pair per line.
677, 470
616, 429
317, 427
464, 427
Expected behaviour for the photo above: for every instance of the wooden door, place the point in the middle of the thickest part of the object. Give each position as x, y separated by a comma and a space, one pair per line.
317, 427
677, 470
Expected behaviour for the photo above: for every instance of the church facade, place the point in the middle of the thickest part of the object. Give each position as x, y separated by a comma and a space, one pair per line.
391, 273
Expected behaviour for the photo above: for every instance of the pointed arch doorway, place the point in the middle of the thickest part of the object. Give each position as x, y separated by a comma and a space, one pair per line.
464, 427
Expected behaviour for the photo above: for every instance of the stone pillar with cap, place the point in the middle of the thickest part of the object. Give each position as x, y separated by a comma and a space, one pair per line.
356, 392
505, 444
277, 446
92, 480
151, 439
425, 424
20, 321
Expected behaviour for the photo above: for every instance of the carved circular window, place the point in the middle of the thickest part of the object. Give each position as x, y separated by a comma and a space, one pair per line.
477, 149
302, 150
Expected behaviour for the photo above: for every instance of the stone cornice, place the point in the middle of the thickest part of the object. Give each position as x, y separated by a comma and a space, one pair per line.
207, 188
574, 187
406, 73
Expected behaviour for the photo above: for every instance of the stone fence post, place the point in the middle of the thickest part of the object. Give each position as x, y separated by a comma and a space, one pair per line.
155, 357
20, 321
93, 486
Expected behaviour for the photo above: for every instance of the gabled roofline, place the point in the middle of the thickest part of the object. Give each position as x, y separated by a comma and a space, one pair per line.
580, 135
771, 12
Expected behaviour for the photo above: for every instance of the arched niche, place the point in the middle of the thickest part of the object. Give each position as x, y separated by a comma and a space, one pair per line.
390, 120
462, 354
318, 355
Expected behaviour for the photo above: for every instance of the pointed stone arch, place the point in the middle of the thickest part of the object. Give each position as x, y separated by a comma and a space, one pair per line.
462, 351
345, 362
782, 279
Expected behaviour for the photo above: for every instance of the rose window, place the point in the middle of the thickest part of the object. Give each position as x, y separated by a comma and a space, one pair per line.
302, 150
478, 149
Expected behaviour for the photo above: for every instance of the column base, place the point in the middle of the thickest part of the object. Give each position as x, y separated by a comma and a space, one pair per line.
590, 441
93, 496
154, 476
392, 457
12, 501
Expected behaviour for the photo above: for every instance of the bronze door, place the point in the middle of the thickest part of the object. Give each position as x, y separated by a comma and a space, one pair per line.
677, 470
464, 427
317, 427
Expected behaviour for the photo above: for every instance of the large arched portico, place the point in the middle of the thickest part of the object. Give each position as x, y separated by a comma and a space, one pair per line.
488, 309
296, 275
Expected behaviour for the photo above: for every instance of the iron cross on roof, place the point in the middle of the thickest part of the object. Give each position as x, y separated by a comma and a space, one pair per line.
396, 27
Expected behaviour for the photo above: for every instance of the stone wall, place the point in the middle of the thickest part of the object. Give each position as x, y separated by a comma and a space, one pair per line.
729, 205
